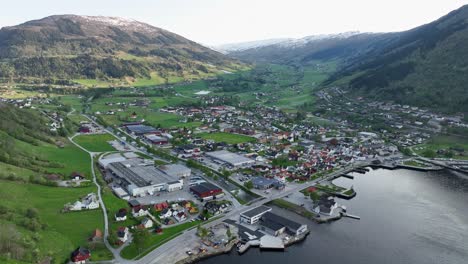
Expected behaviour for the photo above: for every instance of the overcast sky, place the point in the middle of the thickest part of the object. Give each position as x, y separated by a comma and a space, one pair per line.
215, 22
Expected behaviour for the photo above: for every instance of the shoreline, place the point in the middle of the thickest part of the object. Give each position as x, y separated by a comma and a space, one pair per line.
228, 249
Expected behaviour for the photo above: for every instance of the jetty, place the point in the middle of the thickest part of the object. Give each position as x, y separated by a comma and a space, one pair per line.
350, 216
347, 176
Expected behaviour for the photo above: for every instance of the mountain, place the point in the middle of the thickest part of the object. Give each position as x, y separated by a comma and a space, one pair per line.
425, 66
241, 46
308, 49
87, 47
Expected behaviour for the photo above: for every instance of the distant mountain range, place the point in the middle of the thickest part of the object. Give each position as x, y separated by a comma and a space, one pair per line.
70, 46
238, 48
425, 66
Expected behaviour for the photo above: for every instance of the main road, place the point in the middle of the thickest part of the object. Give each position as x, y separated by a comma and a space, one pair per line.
163, 253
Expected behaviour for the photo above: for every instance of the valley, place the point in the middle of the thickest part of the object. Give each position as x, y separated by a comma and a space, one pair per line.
121, 142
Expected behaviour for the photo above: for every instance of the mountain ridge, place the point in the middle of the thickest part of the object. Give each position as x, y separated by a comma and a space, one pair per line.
90, 47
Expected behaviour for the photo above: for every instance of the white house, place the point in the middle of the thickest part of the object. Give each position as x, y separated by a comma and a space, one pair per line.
139, 211
166, 213
180, 216
77, 206
90, 201
122, 234
121, 215
147, 223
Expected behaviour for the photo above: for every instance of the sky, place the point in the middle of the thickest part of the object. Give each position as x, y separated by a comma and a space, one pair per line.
214, 22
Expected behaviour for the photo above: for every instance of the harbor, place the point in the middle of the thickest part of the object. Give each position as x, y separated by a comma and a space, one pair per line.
438, 189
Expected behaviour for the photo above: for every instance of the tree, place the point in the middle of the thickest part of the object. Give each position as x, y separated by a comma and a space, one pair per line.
228, 233
32, 213
202, 232
248, 185
406, 151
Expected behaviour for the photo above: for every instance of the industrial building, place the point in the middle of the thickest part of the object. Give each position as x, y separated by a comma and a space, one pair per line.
253, 215
230, 158
140, 179
176, 170
263, 183
140, 129
275, 225
206, 191
156, 140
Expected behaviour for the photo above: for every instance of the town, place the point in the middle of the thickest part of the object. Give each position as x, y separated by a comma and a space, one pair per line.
222, 170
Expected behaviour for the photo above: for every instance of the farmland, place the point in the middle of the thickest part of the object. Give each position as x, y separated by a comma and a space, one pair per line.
95, 143
63, 232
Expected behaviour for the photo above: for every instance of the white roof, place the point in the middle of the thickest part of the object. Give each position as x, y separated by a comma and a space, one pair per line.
104, 162
229, 157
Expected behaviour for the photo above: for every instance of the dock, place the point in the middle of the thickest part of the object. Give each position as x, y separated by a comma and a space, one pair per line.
347, 176
350, 216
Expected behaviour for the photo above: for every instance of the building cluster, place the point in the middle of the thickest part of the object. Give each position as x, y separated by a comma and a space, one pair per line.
137, 177
88, 202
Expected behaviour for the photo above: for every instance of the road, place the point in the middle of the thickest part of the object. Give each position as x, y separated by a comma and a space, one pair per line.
165, 252
115, 252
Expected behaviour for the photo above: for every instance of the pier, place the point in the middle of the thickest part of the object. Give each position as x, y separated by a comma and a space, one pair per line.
350, 216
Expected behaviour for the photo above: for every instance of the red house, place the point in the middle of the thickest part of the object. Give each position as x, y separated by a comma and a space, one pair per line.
84, 129
160, 206
80, 255
206, 190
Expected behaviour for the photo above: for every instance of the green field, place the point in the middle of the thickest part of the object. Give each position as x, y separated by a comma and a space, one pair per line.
64, 231
67, 159
95, 143
226, 137
444, 143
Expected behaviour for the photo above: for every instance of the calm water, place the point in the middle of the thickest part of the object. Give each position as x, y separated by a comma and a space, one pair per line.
406, 217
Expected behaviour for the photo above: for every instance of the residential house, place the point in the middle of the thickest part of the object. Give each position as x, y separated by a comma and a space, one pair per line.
121, 215
122, 234
139, 211
165, 213
147, 223
96, 236
325, 205
80, 255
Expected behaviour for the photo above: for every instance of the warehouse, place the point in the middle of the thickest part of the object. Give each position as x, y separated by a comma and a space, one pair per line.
141, 129
230, 158
206, 191
141, 179
253, 215
176, 170
263, 183
272, 222
156, 140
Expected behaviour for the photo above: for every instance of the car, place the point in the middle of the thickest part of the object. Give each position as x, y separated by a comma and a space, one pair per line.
189, 252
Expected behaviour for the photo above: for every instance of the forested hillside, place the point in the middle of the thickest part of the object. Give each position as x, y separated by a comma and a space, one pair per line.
80, 47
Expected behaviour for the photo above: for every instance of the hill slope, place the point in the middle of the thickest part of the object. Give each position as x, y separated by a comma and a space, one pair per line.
341, 47
74, 47
424, 66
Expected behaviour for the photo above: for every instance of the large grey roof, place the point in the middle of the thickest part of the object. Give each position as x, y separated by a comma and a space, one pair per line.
256, 211
281, 220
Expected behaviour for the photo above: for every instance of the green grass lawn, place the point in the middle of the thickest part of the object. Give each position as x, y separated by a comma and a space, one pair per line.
443, 142
95, 143
64, 231
226, 137
77, 118
413, 163
70, 157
